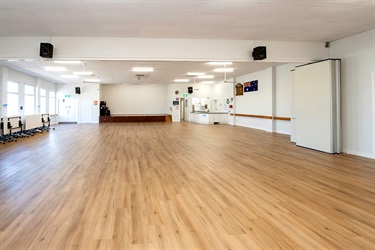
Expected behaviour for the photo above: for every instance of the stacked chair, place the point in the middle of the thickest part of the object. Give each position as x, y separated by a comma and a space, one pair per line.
14, 127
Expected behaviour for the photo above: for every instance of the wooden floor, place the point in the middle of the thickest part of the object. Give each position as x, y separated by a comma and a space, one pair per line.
181, 186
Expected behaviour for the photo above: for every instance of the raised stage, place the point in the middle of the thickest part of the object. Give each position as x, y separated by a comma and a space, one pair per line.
137, 118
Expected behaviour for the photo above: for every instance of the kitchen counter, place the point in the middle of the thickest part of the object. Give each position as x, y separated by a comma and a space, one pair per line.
203, 112
209, 117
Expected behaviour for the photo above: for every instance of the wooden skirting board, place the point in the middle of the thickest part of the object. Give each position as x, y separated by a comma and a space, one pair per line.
137, 118
264, 117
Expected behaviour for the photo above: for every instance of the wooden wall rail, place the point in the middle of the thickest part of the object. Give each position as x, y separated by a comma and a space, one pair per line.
263, 117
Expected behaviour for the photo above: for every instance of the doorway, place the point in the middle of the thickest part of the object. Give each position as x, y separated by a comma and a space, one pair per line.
184, 109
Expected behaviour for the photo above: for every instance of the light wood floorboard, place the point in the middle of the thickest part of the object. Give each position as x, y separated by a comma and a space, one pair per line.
181, 186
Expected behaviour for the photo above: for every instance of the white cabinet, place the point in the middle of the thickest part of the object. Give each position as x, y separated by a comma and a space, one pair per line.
224, 118
204, 118
209, 118
216, 118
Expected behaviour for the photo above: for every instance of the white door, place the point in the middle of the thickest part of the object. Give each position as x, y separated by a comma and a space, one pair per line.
186, 110
373, 114
68, 109
292, 112
182, 109
86, 111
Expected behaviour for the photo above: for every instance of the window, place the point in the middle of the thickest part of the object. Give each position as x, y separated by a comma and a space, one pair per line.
12, 96
29, 106
43, 101
52, 102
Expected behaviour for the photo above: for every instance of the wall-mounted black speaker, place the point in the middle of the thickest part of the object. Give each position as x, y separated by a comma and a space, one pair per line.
190, 90
260, 53
46, 50
78, 90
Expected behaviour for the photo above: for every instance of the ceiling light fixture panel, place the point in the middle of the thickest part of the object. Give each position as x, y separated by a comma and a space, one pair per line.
223, 70
68, 62
69, 76
92, 80
83, 73
205, 77
181, 80
55, 68
220, 63
142, 69
195, 74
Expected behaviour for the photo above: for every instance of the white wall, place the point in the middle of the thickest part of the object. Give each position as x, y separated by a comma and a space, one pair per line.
21, 78
283, 97
116, 48
89, 92
358, 64
221, 92
273, 98
256, 102
135, 99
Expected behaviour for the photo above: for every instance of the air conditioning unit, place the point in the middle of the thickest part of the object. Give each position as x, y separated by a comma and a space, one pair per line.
140, 76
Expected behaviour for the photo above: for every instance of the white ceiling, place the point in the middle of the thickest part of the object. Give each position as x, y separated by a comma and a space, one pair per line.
116, 72
275, 20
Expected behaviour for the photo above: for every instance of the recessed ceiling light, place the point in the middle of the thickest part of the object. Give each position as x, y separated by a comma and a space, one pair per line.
206, 77
92, 80
195, 73
181, 80
68, 62
54, 68
207, 82
219, 63
83, 73
223, 70
69, 76
142, 69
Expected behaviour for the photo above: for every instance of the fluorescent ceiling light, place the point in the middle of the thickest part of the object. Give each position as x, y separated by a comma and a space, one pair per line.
223, 70
92, 80
54, 68
181, 80
69, 76
206, 77
195, 73
142, 69
219, 63
207, 82
68, 62
83, 73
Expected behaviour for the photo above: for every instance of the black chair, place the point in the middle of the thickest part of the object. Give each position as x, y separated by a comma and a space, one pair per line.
10, 137
2, 137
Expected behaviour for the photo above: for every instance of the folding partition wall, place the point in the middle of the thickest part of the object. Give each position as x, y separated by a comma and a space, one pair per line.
316, 107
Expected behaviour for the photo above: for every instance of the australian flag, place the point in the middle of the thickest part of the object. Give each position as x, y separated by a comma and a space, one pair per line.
251, 86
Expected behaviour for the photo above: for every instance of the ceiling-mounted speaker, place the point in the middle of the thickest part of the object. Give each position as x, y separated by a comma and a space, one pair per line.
46, 50
260, 53
78, 90
190, 90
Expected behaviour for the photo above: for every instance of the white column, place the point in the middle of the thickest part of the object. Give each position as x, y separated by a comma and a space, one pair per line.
4, 71
273, 99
